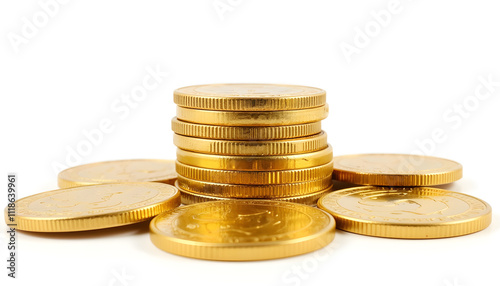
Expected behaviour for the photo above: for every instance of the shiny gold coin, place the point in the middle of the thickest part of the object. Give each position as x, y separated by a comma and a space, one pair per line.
254, 177
94, 207
406, 212
255, 148
252, 118
248, 97
245, 132
395, 170
136, 170
256, 163
253, 191
242, 230
188, 197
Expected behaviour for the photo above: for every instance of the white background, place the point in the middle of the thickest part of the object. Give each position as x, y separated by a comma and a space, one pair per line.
406, 81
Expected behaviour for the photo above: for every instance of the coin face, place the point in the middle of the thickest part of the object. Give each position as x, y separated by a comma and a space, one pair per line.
406, 212
395, 170
138, 170
94, 207
242, 230
245, 97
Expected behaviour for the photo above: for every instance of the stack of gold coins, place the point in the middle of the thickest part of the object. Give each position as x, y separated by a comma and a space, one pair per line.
251, 141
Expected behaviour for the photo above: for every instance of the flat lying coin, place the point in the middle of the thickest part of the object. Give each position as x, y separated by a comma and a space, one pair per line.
256, 163
406, 212
395, 170
245, 132
94, 207
252, 148
135, 170
252, 118
239, 230
188, 197
249, 96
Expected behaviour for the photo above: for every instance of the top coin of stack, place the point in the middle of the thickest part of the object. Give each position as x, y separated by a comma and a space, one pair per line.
251, 141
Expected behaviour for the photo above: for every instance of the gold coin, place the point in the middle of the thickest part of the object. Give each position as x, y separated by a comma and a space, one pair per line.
188, 197
254, 177
395, 170
252, 118
255, 148
94, 207
247, 97
406, 212
253, 191
256, 163
245, 132
136, 170
242, 230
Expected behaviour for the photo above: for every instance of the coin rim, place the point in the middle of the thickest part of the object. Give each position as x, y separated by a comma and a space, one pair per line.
244, 132
268, 191
189, 198
252, 118
252, 177
281, 162
289, 146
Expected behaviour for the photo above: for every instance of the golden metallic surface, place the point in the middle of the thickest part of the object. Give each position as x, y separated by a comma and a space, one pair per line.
252, 148
242, 230
94, 207
253, 191
252, 118
416, 213
395, 170
249, 97
245, 132
256, 163
188, 197
135, 170
254, 177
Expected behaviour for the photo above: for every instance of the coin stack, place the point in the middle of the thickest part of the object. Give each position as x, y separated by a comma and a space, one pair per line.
251, 141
